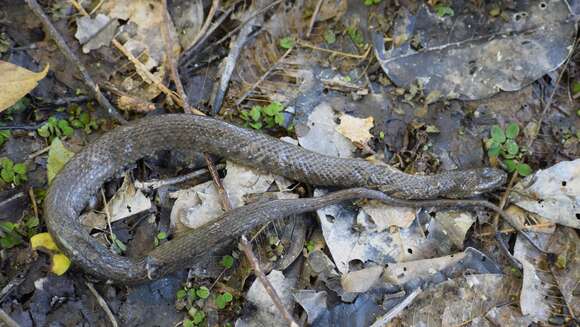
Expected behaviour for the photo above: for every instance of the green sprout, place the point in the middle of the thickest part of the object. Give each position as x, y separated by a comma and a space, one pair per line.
160, 237
371, 2
329, 36
55, 128
223, 299
356, 36
4, 135
286, 42
227, 261
269, 116
502, 144
443, 10
13, 234
11, 172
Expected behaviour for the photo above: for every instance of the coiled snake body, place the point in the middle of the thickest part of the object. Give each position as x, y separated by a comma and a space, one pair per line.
85, 173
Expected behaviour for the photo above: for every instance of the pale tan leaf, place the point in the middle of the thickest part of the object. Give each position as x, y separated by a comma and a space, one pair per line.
16, 82
356, 129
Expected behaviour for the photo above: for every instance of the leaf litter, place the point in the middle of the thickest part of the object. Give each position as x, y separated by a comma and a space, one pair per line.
362, 263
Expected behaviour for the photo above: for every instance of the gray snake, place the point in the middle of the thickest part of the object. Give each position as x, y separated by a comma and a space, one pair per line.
99, 161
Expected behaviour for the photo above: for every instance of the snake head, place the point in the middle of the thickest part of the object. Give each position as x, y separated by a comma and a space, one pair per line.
476, 181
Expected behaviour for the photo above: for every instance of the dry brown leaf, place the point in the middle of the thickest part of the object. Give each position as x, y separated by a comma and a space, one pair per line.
16, 82
356, 129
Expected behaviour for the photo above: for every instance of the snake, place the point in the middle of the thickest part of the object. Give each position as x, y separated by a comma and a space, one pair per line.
116, 150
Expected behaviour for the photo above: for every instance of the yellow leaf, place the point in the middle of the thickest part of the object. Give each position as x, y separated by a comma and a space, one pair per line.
356, 129
58, 156
60, 264
16, 82
43, 240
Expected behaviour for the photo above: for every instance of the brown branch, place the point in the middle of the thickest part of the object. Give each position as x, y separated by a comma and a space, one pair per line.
103, 304
72, 57
313, 19
246, 247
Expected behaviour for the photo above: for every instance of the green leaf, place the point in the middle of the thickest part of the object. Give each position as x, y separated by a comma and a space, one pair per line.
256, 125
576, 88
524, 169
228, 261
371, 2
6, 163
10, 240
44, 131
273, 108
443, 10
7, 175
32, 222
20, 169
85, 118
512, 131
187, 323
228, 296
329, 36
286, 42
191, 294
512, 147
494, 150
255, 113
510, 165
198, 317
58, 156
356, 36
220, 302
497, 134
7, 226
161, 236
76, 123
202, 292
180, 295
279, 119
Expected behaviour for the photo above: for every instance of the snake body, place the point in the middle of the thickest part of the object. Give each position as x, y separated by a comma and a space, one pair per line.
99, 161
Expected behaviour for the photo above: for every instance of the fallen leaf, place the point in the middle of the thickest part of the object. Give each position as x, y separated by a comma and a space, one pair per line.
16, 82
94, 33
43, 240
356, 129
60, 264
128, 201
58, 156
362, 280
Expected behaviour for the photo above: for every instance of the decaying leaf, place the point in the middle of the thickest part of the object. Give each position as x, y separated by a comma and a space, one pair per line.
467, 58
16, 82
43, 240
553, 193
94, 33
58, 156
356, 129
128, 201
60, 264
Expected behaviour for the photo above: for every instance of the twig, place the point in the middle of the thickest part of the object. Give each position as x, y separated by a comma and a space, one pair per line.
214, 6
313, 19
226, 203
384, 320
72, 57
169, 44
263, 77
230, 64
7, 320
33, 201
247, 249
155, 184
103, 304
306, 44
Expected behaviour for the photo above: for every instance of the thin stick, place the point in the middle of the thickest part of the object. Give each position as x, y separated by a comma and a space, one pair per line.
155, 184
306, 44
7, 320
214, 6
246, 247
72, 57
103, 304
264, 76
313, 19
169, 44
225, 200
33, 201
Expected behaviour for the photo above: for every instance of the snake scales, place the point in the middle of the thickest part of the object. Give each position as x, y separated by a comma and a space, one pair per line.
98, 162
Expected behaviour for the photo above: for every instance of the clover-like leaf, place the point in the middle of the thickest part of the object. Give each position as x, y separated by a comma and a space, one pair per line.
510, 165
202, 292
494, 150
255, 113
524, 169
497, 134
512, 131
512, 147
228, 261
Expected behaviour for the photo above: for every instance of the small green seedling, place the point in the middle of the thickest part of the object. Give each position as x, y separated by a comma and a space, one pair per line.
227, 261
13, 234
443, 10
502, 144
269, 116
371, 2
117, 245
4, 135
356, 36
329, 36
160, 237
286, 42
80, 118
223, 299
310, 246
55, 128
11, 172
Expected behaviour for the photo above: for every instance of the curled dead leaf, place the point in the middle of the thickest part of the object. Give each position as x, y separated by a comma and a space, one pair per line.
16, 82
